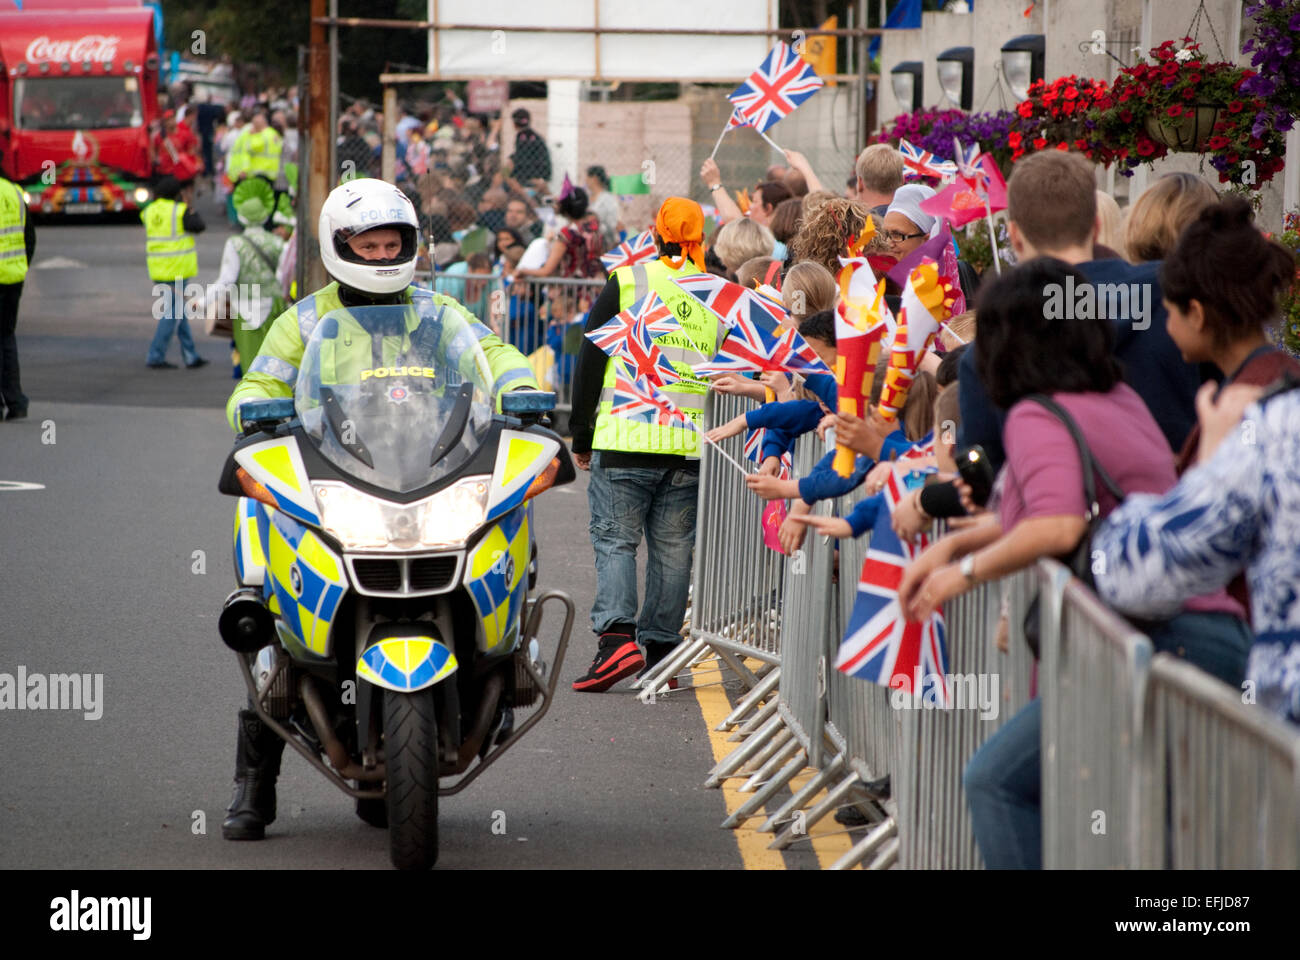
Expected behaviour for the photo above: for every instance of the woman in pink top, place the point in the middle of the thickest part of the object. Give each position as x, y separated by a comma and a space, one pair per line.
1032, 341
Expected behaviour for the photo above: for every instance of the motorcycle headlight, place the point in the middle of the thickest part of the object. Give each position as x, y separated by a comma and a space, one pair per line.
362, 522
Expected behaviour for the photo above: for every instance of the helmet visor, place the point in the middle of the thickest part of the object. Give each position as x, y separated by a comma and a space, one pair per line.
410, 240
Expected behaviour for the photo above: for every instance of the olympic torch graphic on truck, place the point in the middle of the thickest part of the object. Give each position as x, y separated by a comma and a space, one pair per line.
78, 93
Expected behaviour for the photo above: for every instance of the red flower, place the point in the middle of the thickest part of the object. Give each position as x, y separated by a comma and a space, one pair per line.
1145, 147
1175, 111
1126, 115
1068, 107
1071, 93
1170, 69
1223, 177
1081, 144
1188, 93
1125, 96
1039, 144
1194, 78
1236, 106
1218, 143
1026, 109
1061, 146
1013, 140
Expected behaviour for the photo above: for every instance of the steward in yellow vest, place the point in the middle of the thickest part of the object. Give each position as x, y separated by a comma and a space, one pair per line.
17, 244
644, 476
169, 227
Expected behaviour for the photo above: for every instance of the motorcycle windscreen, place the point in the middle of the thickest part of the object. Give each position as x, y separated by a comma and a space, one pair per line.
396, 396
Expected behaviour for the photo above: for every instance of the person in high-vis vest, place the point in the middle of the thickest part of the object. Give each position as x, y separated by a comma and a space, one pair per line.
17, 244
170, 225
369, 241
644, 476
256, 151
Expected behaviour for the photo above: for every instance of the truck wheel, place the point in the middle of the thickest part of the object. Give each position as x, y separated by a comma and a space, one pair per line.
411, 759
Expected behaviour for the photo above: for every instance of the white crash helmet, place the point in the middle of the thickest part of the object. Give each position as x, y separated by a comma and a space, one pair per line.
353, 208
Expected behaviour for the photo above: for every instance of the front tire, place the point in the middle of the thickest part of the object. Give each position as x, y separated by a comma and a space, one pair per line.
411, 759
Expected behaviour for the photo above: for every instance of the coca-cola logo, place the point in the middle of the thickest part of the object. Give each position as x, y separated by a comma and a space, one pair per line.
93, 46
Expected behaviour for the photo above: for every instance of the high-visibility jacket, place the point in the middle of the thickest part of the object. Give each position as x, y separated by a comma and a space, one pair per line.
275, 370
168, 248
255, 153
702, 331
13, 221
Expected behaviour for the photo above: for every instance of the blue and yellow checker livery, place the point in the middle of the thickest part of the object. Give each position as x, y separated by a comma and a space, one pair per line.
406, 664
305, 582
250, 559
277, 465
521, 457
496, 576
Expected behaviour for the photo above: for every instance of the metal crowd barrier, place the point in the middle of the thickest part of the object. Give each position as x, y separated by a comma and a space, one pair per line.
1230, 773
1146, 762
933, 746
542, 317
737, 582
792, 738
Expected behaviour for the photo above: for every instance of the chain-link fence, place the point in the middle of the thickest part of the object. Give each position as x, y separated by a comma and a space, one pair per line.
486, 186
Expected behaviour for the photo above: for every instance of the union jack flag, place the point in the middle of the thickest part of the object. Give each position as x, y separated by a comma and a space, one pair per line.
967, 160
879, 644
726, 299
782, 82
754, 451
737, 119
637, 398
923, 163
629, 336
756, 342
637, 250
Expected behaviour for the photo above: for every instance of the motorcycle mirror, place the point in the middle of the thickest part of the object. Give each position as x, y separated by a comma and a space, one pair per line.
518, 402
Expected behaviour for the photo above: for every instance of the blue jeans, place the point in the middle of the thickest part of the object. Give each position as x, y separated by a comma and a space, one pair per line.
1003, 780
173, 318
624, 503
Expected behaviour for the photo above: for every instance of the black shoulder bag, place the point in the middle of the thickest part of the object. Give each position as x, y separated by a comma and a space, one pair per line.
1080, 560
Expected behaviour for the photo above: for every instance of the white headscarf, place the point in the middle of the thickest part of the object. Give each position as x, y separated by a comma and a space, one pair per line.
907, 201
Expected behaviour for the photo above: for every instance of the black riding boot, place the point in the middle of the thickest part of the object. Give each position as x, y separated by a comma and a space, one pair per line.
257, 764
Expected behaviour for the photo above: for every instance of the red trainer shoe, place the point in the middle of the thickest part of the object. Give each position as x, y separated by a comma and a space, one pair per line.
617, 657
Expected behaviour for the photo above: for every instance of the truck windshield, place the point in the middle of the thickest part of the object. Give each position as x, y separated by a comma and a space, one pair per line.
72, 103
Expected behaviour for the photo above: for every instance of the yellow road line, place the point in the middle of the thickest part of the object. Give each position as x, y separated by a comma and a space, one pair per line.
715, 706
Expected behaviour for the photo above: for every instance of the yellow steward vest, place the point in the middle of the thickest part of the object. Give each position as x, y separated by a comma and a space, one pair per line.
700, 332
13, 220
168, 248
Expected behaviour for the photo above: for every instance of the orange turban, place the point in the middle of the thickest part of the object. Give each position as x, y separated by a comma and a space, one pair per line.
681, 221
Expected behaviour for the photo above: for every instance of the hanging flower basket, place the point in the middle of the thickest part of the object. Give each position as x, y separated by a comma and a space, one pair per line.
1180, 101
1188, 133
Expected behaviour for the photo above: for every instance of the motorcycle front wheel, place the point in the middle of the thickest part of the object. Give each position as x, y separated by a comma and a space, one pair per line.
411, 759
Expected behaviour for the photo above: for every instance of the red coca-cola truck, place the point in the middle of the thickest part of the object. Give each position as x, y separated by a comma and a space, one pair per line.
78, 96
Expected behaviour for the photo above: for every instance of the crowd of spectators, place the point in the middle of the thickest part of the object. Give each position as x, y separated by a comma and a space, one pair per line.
1174, 416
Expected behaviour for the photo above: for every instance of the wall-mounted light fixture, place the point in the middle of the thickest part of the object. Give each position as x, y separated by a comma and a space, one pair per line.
908, 84
1022, 63
957, 75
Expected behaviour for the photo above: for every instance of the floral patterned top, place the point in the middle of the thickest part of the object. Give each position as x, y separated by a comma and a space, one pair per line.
1239, 510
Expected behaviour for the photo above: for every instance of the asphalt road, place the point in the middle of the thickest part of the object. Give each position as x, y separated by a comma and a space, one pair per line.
100, 572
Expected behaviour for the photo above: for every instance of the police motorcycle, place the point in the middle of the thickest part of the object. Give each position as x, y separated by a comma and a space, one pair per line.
387, 621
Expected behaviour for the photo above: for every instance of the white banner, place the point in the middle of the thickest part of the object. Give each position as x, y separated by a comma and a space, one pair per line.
520, 54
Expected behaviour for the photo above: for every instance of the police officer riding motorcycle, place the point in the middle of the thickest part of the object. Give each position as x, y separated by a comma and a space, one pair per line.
358, 356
